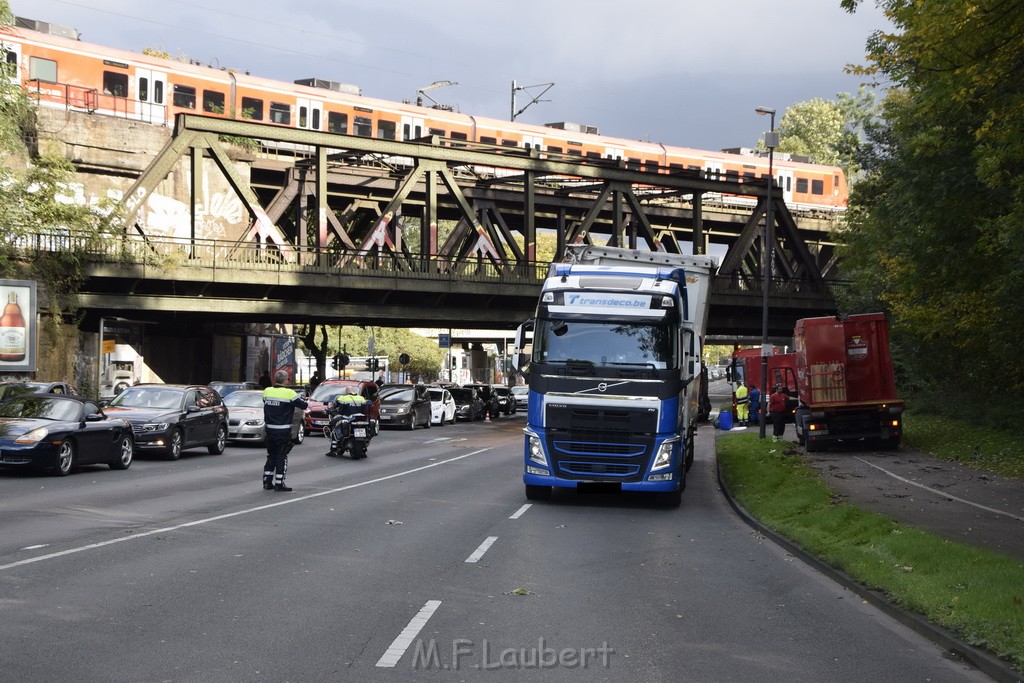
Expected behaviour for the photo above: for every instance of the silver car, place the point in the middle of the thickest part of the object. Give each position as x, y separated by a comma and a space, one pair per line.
521, 395
245, 418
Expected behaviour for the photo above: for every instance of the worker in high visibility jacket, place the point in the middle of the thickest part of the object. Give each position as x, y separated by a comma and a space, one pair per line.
279, 404
742, 405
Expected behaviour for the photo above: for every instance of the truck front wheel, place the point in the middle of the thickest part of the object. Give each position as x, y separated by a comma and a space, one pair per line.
534, 492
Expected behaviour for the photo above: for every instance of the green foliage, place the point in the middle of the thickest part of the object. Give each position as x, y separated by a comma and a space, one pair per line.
973, 592
934, 234
425, 355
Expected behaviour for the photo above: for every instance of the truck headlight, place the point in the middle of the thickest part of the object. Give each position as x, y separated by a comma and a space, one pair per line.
536, 448
663, 458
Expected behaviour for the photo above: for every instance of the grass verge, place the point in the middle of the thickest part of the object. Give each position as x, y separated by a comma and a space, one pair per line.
991, 449
977, 594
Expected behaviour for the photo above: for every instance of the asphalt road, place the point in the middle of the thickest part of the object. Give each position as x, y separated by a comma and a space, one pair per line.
421, 559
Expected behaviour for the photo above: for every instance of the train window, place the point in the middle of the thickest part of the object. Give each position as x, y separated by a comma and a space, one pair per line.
675, 168
747, 175
337, 122
184, 96
362, 126
42, 69
213, 102
633, 164
252, 109
817, 187
303, 116
651, 166
115, 84
801, 185
458, 136
575, 152
386, 130
835, 181
316, 119
436, 131
280, 113
593, 155
732, 176
487, 140
509, 143
158, 92
554, 150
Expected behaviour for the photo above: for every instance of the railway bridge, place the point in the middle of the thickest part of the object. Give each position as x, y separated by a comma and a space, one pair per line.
344, 229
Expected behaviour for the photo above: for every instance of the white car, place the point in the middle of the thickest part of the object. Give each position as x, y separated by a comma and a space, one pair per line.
520, 394
442, 406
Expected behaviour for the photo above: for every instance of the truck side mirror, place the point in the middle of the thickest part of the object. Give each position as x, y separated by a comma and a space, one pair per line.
523, 347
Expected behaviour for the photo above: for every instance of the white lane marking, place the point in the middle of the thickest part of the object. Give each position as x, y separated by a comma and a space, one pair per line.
401, 643
519, 513
479, 552
35, 547
198, 522
941, 493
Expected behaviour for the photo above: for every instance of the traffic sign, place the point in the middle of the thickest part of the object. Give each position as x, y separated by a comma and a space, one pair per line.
444, 340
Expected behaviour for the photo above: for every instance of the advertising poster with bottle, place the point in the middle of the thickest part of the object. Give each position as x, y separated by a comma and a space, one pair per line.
18, 326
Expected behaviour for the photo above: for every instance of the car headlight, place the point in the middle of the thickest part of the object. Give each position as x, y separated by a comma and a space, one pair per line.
35, 436
401, 410
664, 456
155, 426
536, 448
254, 423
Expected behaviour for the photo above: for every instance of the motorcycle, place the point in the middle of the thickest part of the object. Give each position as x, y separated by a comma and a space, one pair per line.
349, 430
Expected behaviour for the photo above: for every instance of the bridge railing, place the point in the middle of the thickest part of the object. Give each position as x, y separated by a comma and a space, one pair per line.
176, 252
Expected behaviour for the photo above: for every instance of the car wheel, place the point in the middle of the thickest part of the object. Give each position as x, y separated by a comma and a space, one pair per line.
125, 452
300, 435
217, 447
65, 459
174, 447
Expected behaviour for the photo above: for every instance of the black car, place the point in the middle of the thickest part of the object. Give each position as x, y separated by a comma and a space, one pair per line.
58, 433
407, 405
12, 389
169, 418
506, 401
489, 397
468, 404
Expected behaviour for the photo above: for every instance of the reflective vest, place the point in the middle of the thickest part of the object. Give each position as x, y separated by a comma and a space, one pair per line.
741, 395
279, 404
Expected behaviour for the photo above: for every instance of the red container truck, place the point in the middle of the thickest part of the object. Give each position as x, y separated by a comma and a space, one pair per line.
746, 368
847, 383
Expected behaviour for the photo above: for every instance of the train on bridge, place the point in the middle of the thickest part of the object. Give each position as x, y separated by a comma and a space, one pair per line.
62, 71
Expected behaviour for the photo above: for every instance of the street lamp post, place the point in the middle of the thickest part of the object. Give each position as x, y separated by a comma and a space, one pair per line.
771, 141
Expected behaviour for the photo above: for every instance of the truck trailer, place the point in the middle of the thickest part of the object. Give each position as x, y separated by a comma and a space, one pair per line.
614, 372
847, 383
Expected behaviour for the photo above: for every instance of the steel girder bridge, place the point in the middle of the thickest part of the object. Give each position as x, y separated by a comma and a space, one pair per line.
437, 231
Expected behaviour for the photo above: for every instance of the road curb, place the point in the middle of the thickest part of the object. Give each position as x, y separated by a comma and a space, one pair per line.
982, 660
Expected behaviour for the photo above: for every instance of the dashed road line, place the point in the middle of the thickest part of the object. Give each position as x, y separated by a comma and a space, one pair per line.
479, 552
401, 643
519, 513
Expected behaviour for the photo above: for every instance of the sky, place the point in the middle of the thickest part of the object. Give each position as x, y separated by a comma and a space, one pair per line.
682, 72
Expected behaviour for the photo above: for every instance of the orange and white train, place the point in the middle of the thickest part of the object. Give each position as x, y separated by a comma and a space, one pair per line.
60, 71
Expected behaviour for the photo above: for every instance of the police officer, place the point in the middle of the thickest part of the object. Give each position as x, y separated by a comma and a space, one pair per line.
279, 404
345, 403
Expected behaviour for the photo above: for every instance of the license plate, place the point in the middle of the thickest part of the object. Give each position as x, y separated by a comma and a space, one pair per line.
320, 423
359, 432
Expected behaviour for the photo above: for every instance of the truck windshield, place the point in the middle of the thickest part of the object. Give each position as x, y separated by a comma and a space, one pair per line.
603, 343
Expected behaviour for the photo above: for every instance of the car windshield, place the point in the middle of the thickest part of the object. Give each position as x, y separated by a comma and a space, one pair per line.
148, 397
599, 343
12, 390
399, 395
520, 390
501, 391
244, 399
436, 394
225, 389
42, 407
462, 394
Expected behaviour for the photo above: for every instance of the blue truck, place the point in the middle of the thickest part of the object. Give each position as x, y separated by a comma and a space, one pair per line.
613, 366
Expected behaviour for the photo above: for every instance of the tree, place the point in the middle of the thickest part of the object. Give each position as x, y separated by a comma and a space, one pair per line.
935, 229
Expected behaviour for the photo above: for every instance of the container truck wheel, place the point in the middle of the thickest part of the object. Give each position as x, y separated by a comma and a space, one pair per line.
534, 492
671, 499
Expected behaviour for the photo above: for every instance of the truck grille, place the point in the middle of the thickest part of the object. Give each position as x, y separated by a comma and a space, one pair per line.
600, 443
